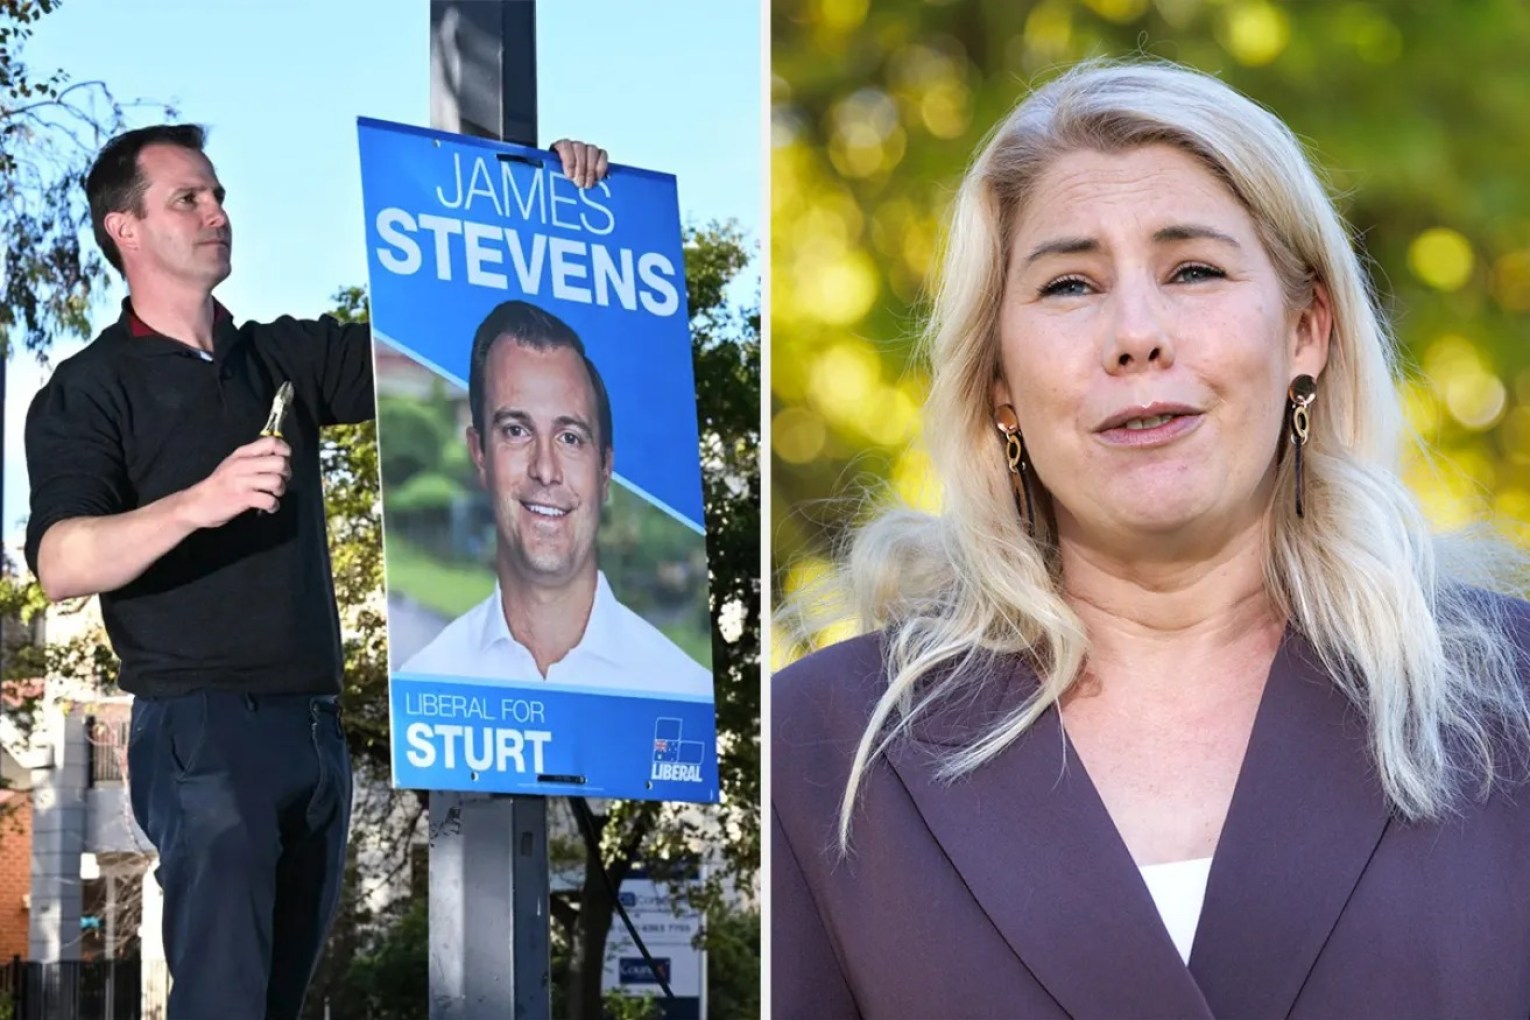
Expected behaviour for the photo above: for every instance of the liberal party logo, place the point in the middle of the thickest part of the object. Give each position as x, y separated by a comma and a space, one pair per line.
675, 760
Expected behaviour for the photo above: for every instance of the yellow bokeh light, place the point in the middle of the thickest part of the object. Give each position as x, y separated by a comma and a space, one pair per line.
891, 417
1255, 32
832, 225
789, 369
834, 633
842, 15
865, 136
797, 435
1442, 258
805, 572
1422, 408
1447, 497
1120, 11
1511, 280
782, 650
1477, 399
919, 246
1178, 13
1048, 30
857, 151
1513, 504
1448, 356
837, 291
914, 480
1479, 471
843, 379
946, 109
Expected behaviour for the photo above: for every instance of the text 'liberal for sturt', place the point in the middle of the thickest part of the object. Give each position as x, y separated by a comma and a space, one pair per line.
549, 625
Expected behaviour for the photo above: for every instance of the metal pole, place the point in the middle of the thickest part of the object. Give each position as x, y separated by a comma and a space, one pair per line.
489, 934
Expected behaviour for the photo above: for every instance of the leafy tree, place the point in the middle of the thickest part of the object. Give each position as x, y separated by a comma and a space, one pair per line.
50, 130
733, 962
348, 459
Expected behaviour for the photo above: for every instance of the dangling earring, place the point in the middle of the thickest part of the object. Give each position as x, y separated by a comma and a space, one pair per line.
1299, 397
1019, 466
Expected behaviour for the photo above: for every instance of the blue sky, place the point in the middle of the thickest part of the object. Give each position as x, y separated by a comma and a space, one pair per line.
672, 86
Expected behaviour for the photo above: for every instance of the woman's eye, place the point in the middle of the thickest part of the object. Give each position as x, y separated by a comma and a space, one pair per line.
1195, 272
1067, 286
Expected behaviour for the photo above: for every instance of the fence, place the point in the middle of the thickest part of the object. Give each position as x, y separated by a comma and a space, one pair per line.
107, 749
70, 990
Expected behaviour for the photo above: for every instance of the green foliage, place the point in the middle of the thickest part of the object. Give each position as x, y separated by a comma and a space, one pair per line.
21, 602
449, 589
348, 459
393, 974
373, 966
878, 108
631, 1007
426, 491
732, 941
50, 130
86, 657
419, 433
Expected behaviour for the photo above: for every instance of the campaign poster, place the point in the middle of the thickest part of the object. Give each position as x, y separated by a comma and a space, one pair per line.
544, 544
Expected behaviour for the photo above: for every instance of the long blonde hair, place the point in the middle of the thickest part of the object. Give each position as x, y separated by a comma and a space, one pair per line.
1429, 662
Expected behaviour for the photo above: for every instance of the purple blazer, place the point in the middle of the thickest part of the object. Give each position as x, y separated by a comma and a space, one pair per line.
1009, 893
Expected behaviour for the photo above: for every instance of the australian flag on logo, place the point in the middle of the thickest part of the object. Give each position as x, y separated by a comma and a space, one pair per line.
666, 739
670, 748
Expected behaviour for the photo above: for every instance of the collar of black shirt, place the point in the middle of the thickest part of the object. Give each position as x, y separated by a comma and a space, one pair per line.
145, 339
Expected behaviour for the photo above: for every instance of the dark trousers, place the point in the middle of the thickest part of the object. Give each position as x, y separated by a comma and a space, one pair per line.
247, 798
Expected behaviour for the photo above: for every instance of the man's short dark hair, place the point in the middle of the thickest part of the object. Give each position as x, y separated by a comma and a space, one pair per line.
533, 327
116, 183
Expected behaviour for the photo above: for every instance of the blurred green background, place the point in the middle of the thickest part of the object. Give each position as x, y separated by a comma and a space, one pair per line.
1418, 113
439, 537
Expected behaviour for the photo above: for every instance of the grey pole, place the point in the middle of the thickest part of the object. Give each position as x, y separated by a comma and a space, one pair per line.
489, 933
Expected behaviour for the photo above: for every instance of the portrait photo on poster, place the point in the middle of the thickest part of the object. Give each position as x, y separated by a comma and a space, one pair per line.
545, 553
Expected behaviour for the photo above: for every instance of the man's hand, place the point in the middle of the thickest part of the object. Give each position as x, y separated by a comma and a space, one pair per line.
253, 477
584, 164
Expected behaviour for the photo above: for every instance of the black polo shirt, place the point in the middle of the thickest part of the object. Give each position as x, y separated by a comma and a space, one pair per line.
137, 416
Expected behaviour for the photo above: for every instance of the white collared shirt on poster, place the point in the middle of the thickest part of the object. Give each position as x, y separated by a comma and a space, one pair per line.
618, 651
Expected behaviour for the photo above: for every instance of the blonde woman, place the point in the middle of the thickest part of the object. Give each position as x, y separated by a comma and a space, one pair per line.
1178, 708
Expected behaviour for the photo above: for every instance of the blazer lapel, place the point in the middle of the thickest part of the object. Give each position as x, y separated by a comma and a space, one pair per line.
1033, 842
1307, 814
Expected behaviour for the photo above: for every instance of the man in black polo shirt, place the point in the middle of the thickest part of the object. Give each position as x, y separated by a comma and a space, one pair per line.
152, 485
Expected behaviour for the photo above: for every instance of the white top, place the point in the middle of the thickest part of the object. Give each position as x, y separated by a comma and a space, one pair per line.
618, 650
1179, 889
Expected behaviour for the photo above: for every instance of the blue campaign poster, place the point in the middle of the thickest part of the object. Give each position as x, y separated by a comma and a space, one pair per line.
544, 545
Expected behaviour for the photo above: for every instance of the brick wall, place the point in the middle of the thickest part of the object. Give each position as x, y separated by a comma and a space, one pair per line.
15, 872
